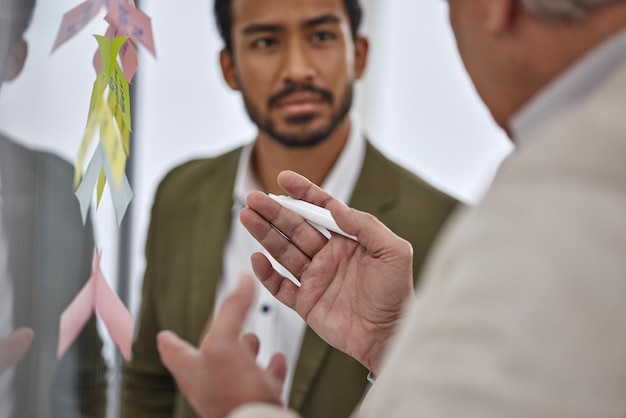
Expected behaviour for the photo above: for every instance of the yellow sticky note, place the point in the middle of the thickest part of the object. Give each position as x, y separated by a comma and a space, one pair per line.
99, 87
118, 86
121, 125
102, 180
104, 45
111, 143
110, 117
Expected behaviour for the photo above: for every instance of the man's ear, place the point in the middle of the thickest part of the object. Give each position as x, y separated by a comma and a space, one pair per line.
361, 50
499, 14
228, 69
15, 61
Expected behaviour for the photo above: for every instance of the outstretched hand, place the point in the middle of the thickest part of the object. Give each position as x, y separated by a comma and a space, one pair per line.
14, 347
222, 373
352, 293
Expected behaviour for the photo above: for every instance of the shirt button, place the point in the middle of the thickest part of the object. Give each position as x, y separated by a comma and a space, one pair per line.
265, 308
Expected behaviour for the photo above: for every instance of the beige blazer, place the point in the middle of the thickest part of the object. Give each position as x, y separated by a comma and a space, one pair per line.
190, 223
523, 309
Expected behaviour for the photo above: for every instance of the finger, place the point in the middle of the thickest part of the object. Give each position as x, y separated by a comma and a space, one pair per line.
286, 252
277, 368
366, 227
176, 354
230, 317
251, 344
278, 285
205, 330
373, 235
14, 347
306, 238
300, 187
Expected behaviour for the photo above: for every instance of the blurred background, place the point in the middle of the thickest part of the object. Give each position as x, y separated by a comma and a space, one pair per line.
416, 103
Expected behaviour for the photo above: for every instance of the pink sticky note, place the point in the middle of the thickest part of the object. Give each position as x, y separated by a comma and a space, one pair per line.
97, 296
128, 53
117, 319
75, 316
130, 62
75, 20
133, 21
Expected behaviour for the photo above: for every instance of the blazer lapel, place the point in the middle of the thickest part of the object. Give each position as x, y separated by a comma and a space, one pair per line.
373, 193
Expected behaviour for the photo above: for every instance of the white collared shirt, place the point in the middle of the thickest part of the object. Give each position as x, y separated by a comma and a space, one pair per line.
6, 317
279, 328
570, 87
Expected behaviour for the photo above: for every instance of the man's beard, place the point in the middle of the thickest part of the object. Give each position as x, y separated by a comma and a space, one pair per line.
308, 139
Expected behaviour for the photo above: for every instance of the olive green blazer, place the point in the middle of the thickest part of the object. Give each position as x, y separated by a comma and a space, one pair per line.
190, 223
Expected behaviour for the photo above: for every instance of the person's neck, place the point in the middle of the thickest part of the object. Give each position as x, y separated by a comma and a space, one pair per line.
269, 158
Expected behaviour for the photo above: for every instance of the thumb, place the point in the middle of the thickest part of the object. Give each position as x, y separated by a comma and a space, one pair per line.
277, 369
175, 353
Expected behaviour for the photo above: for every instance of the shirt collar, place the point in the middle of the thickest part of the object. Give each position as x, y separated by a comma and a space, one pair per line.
340, 181
573, 85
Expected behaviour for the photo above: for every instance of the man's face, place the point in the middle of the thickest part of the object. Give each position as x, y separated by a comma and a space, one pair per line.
295, 64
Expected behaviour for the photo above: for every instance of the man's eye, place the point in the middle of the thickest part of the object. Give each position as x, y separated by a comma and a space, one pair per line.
263, 43
323, 36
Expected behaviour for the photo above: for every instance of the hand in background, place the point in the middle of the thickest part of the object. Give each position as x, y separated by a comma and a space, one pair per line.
352, 293
14, 347
222, 373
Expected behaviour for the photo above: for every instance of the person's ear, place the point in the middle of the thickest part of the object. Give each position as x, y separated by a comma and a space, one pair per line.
500, 14
228, 69
15, 61
361, 50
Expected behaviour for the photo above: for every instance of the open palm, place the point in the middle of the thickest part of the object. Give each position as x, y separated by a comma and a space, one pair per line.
352, 293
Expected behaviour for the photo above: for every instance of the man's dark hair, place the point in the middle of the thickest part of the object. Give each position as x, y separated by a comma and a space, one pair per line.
223, 18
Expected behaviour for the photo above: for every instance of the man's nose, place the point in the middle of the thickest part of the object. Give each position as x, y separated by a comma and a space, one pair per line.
298, 66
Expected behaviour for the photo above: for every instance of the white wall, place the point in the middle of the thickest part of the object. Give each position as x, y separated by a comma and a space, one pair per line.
419, 103
415, 102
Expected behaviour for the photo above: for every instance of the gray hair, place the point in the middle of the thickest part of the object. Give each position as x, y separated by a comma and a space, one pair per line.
568, 9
